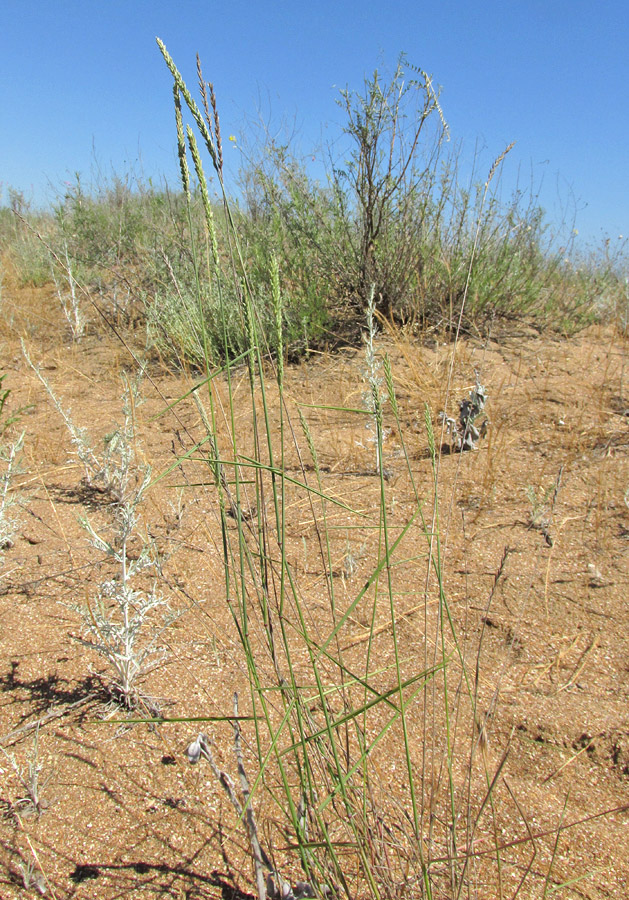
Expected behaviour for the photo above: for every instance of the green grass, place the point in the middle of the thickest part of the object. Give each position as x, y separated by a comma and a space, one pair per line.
327, 711
237, 289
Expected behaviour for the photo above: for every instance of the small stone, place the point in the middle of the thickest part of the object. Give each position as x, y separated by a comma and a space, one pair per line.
194, 752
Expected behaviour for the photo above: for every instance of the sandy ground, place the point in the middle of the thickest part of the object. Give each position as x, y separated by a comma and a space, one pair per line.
535, 539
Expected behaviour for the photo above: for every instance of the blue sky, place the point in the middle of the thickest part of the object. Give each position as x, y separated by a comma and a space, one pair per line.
83, 84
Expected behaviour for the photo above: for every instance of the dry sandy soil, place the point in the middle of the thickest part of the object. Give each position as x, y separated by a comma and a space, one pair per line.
535, 529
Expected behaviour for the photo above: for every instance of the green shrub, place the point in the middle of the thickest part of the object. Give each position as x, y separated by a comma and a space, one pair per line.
390, 212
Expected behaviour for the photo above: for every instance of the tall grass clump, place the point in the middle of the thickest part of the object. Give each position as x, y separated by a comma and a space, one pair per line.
198, 309
369, 774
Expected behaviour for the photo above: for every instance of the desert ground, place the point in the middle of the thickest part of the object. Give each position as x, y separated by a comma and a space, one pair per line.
535, 544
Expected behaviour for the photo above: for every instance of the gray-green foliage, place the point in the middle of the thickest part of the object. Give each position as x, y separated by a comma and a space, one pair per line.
10, 452
69, 298
120, 624
106, 470
184, 320
394, 213
464, 434
9, 467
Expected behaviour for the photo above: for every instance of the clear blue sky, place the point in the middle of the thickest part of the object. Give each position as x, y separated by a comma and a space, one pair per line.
83, 80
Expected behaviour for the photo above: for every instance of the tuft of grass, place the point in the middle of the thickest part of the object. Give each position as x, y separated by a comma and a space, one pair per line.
32, 876
371, 773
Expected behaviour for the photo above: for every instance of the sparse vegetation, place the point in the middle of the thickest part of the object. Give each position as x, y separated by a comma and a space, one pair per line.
373, 693
391, 213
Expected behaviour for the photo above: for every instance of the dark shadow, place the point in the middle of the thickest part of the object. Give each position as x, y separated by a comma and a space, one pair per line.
30, 588
48, 690
84, 873
425, 453
88, 495
228, 891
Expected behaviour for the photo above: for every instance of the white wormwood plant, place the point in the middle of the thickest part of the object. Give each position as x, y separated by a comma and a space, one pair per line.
70, 300
103, 472
464, 434
119, 625
9, 456
9, 467
372, 397
31, 802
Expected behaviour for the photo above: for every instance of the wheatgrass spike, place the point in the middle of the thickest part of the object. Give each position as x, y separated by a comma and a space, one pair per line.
207, 206
192, 106
181, 144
